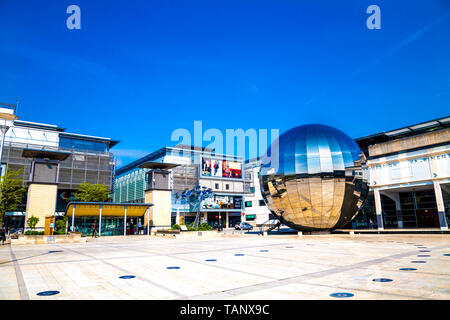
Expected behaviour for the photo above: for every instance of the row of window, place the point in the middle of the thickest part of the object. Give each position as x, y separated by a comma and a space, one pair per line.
82, 144
249, 204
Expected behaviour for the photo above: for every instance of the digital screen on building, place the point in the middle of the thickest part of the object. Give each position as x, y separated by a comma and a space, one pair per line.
221, 168
231, 169
211, 167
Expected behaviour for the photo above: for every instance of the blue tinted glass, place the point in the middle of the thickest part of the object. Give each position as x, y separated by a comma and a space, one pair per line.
315, 149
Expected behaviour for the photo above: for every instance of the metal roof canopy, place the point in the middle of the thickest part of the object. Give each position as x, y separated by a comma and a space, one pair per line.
45, 154
109, 209
158, 165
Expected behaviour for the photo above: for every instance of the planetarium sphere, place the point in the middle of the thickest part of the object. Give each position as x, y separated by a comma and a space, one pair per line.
316, 182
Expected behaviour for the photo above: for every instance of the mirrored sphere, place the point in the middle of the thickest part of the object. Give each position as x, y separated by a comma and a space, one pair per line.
316, 181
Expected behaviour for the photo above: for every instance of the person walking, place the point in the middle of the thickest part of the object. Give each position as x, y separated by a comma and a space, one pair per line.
139, 226
3, 234
94, 230
370, 224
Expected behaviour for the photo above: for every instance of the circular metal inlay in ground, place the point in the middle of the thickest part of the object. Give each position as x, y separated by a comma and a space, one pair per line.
263, 250
408, 269
239, 254
127, 277
446, 254
288, 247
419, 261
382, 280
53, 251
47, 293
423, 255
173, 267
211, 260
342, 295
424, 251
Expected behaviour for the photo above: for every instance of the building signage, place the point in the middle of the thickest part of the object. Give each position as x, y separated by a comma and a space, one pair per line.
404, 171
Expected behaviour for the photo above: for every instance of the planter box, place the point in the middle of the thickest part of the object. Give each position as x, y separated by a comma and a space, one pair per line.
45, 239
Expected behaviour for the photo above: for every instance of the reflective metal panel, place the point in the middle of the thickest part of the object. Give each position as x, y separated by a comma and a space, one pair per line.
317, 184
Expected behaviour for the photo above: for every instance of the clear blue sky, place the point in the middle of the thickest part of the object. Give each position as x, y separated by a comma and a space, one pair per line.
137, 70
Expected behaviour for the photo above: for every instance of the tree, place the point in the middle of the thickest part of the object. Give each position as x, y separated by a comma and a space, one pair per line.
11, 191
32, 222
92, 192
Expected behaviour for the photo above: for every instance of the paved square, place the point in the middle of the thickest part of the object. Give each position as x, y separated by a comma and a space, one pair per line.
241, 267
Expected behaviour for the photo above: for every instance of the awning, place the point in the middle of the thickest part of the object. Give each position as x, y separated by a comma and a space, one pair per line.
15, 214
109, 209
50, 154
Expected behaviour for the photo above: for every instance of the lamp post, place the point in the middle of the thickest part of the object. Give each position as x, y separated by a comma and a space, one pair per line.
195, 198
4, 129
7, 117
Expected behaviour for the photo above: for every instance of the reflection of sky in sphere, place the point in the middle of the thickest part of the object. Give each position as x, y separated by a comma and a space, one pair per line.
312, 149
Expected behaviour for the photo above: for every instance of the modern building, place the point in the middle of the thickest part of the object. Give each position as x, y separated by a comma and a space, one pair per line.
49, 155
256, 211
192, 166
408, 172
409, 176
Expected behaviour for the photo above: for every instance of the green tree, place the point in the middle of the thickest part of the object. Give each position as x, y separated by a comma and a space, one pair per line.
92, 192
11, 191
32, 222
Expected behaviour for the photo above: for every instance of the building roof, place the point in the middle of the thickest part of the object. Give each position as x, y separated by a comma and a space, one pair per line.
110, 209
161, 152
411, 130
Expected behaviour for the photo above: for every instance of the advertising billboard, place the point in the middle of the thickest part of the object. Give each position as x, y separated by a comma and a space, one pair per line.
231, 169
221, 168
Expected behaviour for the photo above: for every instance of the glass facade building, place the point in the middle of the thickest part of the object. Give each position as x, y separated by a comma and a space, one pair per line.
195, 166
90, 160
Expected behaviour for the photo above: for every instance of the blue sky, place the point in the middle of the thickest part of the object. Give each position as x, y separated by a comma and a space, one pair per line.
137, 70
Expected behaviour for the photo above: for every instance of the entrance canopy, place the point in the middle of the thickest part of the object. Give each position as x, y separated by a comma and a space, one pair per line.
108, 209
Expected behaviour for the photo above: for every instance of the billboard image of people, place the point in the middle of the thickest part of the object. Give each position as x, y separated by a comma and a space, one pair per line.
231, 169
216, 168
206, 167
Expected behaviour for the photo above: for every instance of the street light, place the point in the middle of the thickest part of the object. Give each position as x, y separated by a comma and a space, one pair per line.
7, 117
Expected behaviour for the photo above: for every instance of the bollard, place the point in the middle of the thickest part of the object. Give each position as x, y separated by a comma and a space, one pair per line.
300, 234
265, 234
352, 233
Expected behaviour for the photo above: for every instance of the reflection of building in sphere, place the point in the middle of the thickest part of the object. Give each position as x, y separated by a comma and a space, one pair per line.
318, 182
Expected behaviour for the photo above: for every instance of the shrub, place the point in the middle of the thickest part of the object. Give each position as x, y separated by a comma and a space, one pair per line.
201, 227
32, 221
34, 233
176, 227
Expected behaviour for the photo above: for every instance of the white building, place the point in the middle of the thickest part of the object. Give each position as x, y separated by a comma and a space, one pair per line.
256, 211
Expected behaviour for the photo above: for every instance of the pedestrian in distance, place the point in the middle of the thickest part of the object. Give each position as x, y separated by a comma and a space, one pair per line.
370, 224
94, 230
3, 234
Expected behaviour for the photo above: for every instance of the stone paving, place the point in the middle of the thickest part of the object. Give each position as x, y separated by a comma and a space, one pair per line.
244, 267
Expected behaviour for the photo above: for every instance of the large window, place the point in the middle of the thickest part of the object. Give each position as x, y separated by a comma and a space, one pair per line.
82, 144
262, 203
248, 204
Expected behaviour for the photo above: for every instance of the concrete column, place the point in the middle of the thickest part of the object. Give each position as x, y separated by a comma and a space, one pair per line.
440, 205
73, 218
177, 219
125, 223
378, 209
100, 222
148, 221
226, 222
